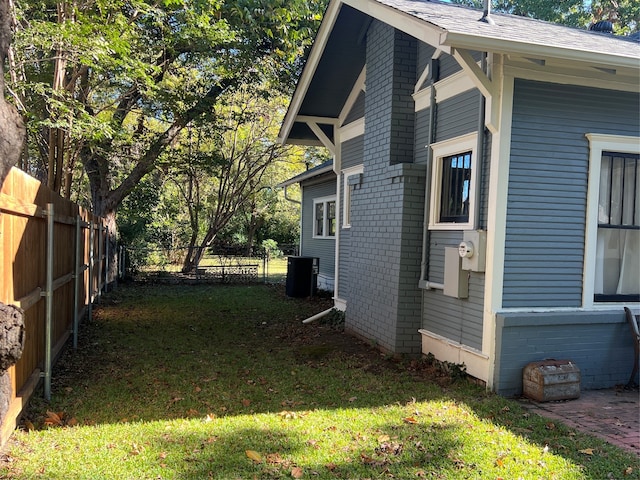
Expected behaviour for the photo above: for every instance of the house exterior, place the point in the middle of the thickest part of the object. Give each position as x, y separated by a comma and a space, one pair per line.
318, 219
487, 185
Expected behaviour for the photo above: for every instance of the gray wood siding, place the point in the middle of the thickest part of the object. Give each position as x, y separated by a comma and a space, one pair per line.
352, 155
546, 204
422, 136
457, 116
357, 110
484, 176
352, 151
323, 248
457, 319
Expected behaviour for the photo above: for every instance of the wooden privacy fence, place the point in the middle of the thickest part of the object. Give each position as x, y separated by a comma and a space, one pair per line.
53, 259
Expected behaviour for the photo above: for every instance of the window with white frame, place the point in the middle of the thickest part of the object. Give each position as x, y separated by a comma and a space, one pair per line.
453, 183
324, 217
613, 246
349, 177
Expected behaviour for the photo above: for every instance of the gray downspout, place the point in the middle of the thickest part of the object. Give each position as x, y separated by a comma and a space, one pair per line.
426, 238
480, 148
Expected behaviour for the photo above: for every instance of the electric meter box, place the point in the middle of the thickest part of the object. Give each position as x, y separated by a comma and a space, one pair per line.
473, 249
456, 281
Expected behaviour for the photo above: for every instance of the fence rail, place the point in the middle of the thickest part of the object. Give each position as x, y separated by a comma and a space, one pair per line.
54, 266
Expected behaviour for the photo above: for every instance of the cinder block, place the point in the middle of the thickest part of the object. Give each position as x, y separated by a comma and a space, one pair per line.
551, 380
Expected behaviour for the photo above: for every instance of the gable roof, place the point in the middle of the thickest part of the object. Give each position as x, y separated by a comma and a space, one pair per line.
338, 54
316, 171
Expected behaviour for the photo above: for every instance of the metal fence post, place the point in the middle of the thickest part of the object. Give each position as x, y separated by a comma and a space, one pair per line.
76, 281
99, 276
49, 304
121, 262
106, 259
91, 234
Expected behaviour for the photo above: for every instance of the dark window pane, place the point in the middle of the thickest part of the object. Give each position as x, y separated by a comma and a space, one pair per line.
455, 188
319, 219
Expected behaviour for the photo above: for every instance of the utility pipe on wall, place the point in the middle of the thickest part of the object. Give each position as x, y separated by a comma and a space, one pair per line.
434, 74
480, 148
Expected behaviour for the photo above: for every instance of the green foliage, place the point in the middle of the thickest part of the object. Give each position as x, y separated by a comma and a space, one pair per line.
270, 247
576, 13
116, 82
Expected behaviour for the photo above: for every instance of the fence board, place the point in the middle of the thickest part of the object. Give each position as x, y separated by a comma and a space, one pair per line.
23, 257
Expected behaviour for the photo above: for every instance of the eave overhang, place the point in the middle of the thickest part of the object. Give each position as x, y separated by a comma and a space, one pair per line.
339, 51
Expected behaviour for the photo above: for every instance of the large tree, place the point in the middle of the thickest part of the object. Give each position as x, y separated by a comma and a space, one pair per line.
223, 168
12, 130
111, 84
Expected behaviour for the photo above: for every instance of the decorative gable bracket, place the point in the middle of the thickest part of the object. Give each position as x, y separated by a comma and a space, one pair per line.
314, 124
489, 88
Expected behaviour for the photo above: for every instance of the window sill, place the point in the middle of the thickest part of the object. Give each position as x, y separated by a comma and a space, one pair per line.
452, 226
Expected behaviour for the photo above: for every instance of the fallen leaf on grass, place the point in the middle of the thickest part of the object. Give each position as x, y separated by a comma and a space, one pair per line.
135, 449
58, 419
246, 402
296, 472
275, 459
253, 455
390, 448
54, 419
587, 451
628, 471
287, 414
409, 420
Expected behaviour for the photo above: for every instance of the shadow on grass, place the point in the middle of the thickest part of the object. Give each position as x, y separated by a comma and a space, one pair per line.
233, 353
269, 452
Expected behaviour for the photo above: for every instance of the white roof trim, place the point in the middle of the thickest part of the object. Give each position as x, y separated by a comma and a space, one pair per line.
479, 43
405, 22
445, 40
306, 175
310, 68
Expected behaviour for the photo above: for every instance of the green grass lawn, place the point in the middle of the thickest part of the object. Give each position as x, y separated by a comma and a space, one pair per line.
225, 382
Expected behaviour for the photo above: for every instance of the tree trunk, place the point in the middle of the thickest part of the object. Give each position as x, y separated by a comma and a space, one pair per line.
111, 254
190, 258
12, 129
195, 253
